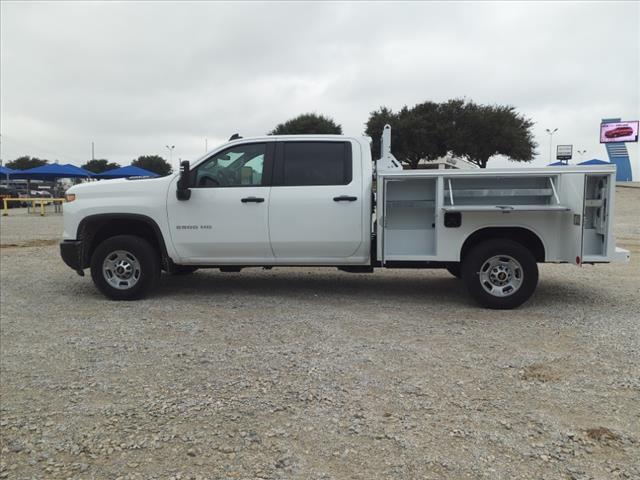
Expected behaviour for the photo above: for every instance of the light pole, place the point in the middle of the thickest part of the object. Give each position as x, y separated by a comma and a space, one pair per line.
551, 132
7, 174
581, 153
206, 145
170, 148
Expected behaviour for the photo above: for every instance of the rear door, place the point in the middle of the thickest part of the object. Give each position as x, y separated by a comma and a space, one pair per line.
315, 207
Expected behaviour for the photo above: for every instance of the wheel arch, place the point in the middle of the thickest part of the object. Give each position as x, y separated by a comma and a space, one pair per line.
525, 236
94, 229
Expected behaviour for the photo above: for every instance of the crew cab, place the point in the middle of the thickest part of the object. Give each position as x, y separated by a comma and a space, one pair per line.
319, 200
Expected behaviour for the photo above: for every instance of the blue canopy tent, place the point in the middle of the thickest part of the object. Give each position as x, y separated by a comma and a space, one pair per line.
594, 161
557, 164
124, 172
5, 173
53, 171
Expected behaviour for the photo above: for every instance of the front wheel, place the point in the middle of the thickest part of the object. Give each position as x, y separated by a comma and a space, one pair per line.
500, 273
125, 267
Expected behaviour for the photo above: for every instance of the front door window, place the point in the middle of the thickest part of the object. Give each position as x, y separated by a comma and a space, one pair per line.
238, 166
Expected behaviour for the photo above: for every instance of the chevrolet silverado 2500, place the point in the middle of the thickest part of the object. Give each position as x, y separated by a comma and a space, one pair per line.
308, 200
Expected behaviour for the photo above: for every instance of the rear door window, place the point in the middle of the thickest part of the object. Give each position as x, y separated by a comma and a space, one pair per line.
315, 163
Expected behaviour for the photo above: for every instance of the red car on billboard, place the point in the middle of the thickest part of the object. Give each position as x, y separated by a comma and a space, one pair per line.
612, 132
619, 132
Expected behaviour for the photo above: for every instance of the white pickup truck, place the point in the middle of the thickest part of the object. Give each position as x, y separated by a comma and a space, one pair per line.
309, 200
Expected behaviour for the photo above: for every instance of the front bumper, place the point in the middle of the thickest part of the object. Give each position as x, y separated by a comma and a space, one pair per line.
71, 253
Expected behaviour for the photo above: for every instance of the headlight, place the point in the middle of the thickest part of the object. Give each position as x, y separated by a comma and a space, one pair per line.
70, 197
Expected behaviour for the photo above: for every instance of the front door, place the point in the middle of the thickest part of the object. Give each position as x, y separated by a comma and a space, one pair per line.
226, 219
316, 204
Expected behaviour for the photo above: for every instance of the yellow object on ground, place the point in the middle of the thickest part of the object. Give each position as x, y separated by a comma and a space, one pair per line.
57, 202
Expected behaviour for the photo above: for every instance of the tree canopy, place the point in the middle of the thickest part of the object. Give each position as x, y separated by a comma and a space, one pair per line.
99, 165
153, 163
458, 127
25, 162
308, 123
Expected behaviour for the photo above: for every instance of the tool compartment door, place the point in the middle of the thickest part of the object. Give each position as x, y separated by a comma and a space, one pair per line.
570, 230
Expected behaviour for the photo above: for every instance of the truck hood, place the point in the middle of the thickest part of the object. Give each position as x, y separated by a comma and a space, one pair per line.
120, 186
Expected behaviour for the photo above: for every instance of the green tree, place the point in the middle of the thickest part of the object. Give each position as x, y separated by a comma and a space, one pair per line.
424, 134
415, 133
480, 132
462, 128
153, 163
25, 162
99, 165
309, 124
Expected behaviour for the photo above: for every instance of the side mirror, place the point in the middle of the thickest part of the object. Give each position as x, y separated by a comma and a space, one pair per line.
184, 192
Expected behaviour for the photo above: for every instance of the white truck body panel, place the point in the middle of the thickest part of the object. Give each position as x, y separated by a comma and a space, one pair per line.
407, 236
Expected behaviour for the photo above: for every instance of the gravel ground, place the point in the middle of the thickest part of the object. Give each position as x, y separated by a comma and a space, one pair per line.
314, 373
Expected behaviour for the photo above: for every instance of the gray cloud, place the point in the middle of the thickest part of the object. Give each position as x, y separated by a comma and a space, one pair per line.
135, 76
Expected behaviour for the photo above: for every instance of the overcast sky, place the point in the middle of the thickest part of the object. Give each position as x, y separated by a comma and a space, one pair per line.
134, 77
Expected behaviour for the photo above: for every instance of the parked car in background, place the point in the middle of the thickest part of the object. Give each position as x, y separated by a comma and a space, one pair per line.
8, 193
24, 194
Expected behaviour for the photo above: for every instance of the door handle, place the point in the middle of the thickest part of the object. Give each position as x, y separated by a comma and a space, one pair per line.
252, 200
345, 198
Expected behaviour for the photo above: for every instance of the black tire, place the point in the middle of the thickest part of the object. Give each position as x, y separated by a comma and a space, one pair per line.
182, 270
522, 280
454, 269
146, 272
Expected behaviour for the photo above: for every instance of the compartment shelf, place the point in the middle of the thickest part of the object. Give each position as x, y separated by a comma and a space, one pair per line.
500, 192
506, 208
410, 203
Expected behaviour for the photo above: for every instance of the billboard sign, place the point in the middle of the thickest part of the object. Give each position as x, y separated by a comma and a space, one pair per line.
564, 152
619, 132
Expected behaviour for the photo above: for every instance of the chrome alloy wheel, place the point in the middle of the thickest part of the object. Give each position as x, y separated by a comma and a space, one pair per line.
501, 275
121, 269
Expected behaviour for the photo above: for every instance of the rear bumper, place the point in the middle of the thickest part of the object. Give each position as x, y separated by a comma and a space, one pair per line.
71, 253
621, 255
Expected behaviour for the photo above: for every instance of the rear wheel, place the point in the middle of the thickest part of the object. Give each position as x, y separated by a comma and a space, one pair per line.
125, 267
500, 273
